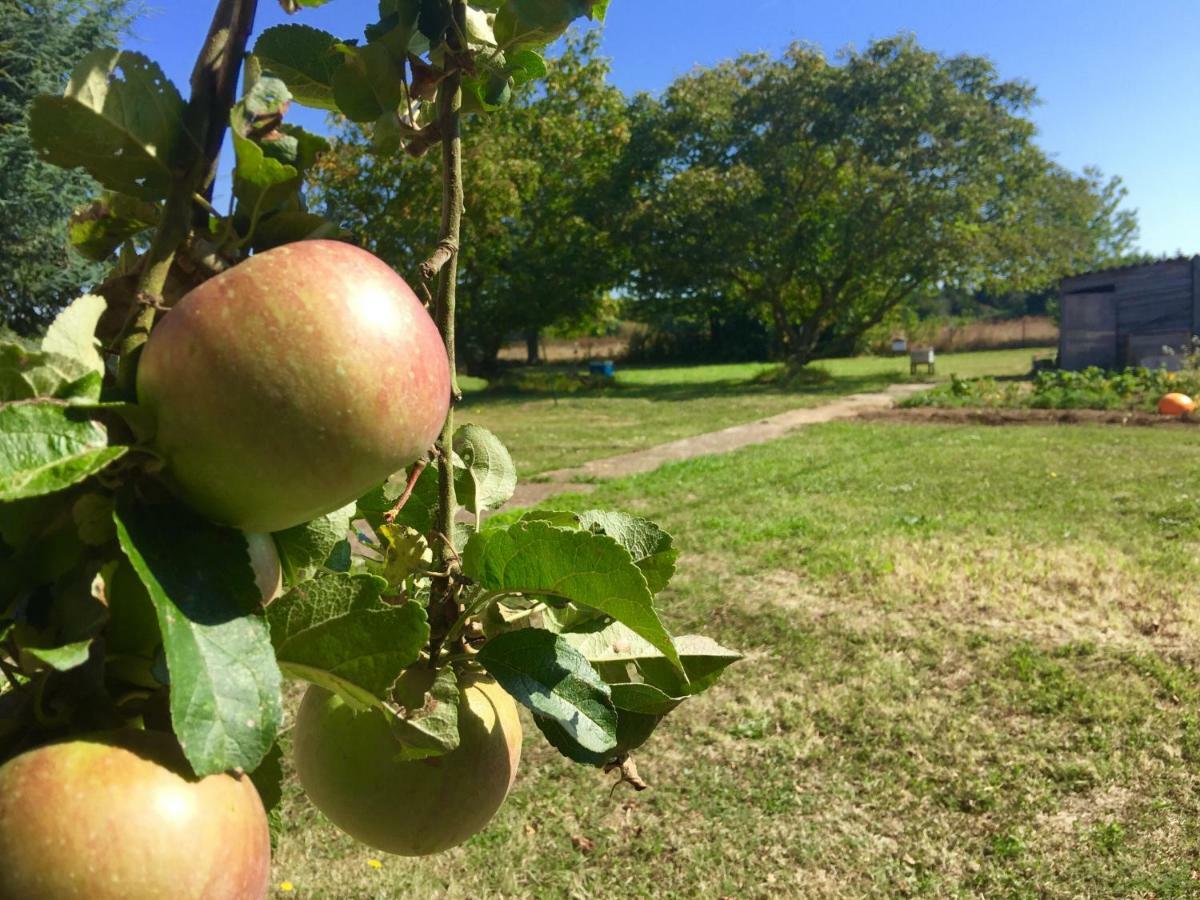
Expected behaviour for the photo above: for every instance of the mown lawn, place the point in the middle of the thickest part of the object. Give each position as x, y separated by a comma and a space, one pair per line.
971, 670
652, 405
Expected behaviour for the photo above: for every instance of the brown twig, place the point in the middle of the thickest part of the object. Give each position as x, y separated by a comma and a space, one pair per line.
214, 79
446, 248
418, 468
629, 773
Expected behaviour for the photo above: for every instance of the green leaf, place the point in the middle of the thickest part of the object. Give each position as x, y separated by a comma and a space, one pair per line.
525, 66
479, 29
550, 677
426, 722
60, 659
73, 333
121, 120
621, 656
369, 82
487, 93
524, 23
98, 228
93, 516
648, 544
643, 698
262, 107
290, 225
433, 19
489, 476
406, 554
580, 566
304, 58
304, 548
46, 447
336, 632
259, 181
26, 373
225, 685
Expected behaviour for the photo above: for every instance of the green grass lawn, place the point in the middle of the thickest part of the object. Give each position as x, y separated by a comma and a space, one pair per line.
652, 405
971, 670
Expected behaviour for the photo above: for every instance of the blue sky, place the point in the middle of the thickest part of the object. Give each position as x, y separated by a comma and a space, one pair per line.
1118, 80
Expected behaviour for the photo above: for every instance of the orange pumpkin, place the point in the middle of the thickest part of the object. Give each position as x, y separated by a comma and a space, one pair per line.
1176, 404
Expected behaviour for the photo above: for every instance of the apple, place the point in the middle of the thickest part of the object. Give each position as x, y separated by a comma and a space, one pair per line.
292, 384
115, 817
347, 762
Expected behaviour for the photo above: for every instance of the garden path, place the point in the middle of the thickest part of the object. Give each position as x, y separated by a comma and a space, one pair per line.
576, 478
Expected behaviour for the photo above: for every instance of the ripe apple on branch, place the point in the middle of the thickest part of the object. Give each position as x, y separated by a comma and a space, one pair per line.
260, 477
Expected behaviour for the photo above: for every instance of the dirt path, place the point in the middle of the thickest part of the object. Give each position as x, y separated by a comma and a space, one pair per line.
572, 480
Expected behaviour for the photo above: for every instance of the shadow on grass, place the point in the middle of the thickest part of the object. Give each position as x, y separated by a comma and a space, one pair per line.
552, 382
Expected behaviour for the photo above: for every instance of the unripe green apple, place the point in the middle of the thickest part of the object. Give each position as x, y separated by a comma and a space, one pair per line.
292, 384
346, 761
111, 817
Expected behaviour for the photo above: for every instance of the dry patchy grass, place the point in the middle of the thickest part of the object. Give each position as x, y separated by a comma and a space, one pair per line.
971, 671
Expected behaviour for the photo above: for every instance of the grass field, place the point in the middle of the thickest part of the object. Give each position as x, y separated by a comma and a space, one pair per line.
652, 405
971, 670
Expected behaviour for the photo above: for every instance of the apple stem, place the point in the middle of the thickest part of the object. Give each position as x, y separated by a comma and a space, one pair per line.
213, 84
444, 605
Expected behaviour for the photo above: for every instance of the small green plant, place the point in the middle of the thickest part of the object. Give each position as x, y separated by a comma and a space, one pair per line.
1135, 389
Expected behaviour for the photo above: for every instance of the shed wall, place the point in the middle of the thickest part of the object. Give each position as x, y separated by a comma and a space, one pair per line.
1152, 306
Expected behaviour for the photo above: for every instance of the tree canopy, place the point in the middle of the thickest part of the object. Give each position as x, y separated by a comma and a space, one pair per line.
820, 195
40, 42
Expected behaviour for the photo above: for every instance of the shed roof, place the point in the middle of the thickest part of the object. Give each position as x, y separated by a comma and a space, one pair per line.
1113, 270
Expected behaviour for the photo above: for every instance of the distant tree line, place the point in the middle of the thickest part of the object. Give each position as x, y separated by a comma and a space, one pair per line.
40, 42
764, 206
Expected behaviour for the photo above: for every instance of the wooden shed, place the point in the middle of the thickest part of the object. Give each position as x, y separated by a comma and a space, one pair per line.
1121, 317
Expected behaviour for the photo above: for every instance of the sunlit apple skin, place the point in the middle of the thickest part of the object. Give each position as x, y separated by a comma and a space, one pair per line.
109, 818
292, 384
346, 763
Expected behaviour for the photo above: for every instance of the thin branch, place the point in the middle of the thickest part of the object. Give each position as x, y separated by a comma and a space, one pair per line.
418, 468
446, 248
443, 605
214, 79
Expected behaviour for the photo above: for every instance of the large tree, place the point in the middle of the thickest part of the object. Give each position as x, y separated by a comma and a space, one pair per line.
39, 43
539, 248
823, 195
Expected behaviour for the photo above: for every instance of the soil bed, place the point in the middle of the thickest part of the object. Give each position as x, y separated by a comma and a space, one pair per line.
989, 416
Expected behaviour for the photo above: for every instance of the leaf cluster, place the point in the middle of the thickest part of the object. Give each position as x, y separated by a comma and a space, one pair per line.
120, 607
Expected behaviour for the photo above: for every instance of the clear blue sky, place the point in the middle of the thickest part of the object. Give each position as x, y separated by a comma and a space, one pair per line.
1118, 79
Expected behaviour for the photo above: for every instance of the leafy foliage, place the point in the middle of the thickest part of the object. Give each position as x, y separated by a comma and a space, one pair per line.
819, 196
42, 43
225, 683
120, 607
1092, 388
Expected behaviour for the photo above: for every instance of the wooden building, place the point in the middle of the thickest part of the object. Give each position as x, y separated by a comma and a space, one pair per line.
1121, 317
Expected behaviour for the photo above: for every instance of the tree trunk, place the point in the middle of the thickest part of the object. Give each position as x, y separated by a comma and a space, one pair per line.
481, 357
532, 340
715, 337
